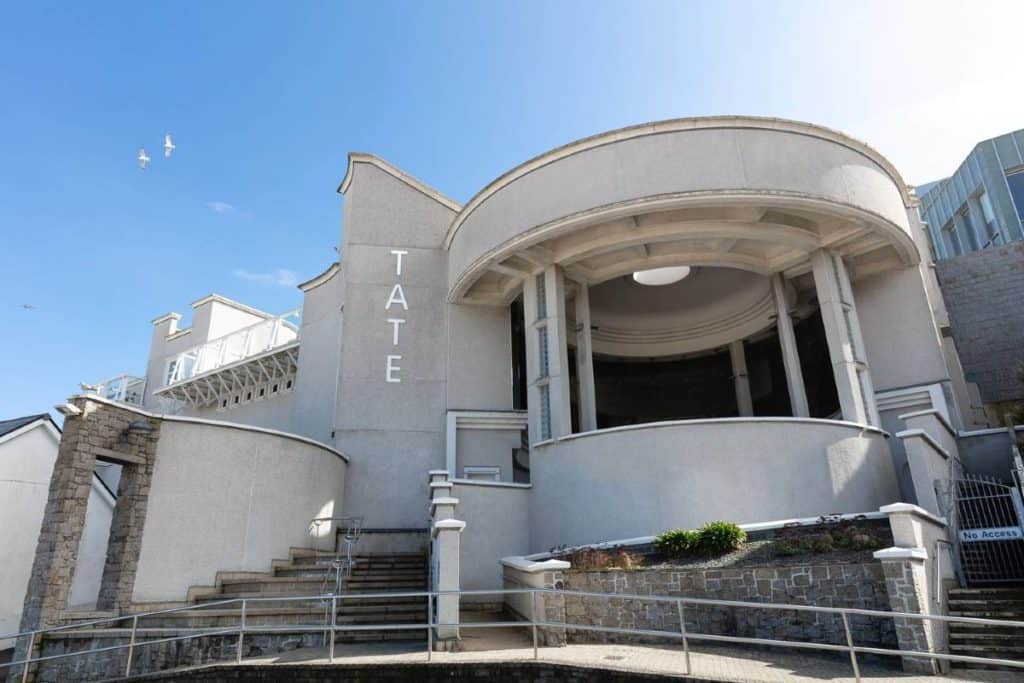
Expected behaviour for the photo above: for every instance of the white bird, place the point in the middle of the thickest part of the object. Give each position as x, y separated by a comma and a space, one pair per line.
168, 146
143, 159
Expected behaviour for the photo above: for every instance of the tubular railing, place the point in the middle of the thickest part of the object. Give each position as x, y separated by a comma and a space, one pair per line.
249, 341
683, 635
123, 388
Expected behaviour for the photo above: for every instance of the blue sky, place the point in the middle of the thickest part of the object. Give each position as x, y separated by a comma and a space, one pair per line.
266, 100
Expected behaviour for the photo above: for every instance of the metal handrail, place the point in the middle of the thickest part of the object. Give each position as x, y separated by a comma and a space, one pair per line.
533, 623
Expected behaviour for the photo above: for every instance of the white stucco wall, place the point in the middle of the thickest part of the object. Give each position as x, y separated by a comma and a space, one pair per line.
92, 548
26, 465
900, 335
316, 382
639, 481
497, 526
229, 499
676, 158
393, 431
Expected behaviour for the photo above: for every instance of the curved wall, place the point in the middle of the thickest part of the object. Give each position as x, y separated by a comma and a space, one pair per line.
225, 498
639, 481
676, 159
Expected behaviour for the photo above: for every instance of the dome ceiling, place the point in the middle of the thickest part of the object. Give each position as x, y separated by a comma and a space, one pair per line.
711, 307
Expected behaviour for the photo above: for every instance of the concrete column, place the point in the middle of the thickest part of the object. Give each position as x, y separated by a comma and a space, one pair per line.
845, 344
531, 311
739, 377
444, 556
790, 355
585, 361
547, 357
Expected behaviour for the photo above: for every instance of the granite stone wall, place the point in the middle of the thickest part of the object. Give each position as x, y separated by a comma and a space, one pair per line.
983, 292
827, 585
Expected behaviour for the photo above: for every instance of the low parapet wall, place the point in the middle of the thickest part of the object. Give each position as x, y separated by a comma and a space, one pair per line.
631, 481
228, 499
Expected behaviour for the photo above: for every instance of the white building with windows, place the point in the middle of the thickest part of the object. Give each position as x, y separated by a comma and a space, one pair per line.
650, 328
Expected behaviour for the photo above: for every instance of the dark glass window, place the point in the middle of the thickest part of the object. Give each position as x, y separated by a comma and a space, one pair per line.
518, 326
1016, 183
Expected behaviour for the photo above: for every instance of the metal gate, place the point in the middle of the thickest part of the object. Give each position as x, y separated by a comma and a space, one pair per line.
985, 518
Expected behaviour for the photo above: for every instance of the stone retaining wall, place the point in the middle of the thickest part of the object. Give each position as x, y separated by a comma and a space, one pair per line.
827, 585
153, 658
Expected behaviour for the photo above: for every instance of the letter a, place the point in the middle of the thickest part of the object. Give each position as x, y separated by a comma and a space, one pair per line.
397, 297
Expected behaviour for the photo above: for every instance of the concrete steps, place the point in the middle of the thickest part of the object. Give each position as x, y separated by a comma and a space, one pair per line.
984, 640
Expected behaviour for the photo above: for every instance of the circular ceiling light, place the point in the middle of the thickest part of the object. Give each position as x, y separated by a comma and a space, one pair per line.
656, 277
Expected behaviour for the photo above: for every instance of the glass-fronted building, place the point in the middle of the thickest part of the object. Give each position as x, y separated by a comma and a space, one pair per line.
982, 203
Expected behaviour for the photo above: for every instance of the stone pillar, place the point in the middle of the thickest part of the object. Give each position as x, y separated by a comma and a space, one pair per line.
845, 344
906, 581
547, 358
790, 355
93, 429
916, 569
744, 402
519, 573
587, 397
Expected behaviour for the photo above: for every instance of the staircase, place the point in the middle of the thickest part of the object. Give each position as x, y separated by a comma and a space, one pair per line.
982, 640
306, 573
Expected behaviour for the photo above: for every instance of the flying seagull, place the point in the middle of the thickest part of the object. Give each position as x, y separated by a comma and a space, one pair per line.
168, 146
143, 159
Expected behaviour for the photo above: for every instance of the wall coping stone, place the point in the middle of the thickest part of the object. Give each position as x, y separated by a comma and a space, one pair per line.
908, 508
901, 554
524, 564
494, 484
448, 525
718, 421
925, 436
937, 414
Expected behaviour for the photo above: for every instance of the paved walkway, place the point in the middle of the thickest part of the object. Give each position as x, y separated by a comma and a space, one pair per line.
747, 665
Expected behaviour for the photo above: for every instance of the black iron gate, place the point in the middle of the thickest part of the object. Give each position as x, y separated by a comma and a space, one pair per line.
985, 518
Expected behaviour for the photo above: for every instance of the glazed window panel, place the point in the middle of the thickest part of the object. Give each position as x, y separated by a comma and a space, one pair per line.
1015, 181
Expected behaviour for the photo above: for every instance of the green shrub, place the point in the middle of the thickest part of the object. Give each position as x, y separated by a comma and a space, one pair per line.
823, 543
789, 547
676, 542
716, 538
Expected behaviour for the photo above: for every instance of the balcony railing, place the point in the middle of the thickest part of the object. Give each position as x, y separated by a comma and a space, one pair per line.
247, 342
123, 388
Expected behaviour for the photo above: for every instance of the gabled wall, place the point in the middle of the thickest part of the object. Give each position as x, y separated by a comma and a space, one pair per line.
392, 430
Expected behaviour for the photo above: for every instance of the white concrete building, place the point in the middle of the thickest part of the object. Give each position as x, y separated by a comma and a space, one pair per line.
695, 319
28, 450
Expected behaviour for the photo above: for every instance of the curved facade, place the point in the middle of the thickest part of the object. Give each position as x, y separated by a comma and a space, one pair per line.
521, 344
629, 481
777, 190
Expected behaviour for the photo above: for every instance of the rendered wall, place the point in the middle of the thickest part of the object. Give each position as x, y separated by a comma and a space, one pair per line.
900, 335
316, 381
497, 526
675, 158
639, 481
229, 499
26, 464
487, 448
393, 431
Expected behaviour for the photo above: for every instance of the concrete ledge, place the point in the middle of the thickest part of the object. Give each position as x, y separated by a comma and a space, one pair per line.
936, 414
907, 508
448, 525
534, 566
921, 434
901, 554
493, 484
